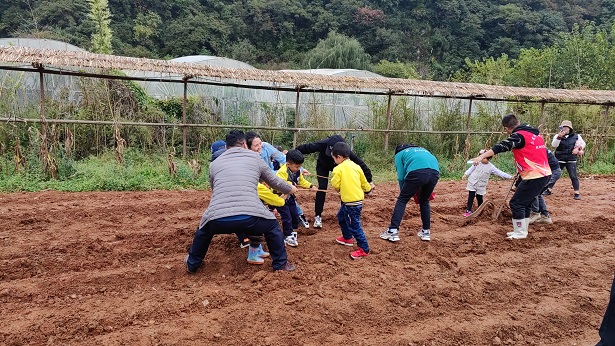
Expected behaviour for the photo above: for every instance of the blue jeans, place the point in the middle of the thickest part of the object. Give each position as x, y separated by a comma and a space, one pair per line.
349, 217
252, 226
421, 179
539, 205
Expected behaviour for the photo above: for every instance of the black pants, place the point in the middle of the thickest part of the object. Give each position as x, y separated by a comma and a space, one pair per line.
479, 199
607, 328
525, 194
252, 226
421, 179
323, 184
571, 167
289, 215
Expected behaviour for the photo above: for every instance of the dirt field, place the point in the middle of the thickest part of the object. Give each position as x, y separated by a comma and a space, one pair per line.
107, 269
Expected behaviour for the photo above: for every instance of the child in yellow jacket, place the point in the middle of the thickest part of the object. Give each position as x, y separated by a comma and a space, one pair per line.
288, 212
256, 252
348, 178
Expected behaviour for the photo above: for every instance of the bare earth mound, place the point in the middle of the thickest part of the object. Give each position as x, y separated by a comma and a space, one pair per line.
107, 269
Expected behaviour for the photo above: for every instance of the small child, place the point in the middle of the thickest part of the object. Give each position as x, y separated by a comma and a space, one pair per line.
256, 252
276, 166
348, 178
478, 177
290, 171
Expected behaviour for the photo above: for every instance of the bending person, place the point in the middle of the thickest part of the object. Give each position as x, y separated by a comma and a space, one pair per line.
528, 149
417, 172
234, 204
324, 165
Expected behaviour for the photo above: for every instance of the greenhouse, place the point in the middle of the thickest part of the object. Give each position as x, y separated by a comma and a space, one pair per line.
27, 84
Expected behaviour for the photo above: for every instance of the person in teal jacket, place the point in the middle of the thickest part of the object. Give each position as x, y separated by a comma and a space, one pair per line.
417, 172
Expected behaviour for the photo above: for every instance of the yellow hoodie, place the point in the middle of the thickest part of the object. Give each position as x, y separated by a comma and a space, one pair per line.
348, 178
268, 197
301, 182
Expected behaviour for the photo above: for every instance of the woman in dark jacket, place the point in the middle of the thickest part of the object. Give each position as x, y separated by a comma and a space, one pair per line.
324, 165
568, 146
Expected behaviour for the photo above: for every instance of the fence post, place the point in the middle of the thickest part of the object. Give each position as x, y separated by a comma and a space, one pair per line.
467, 142
541, 121
43, 149
295, 131
388, 125
185, 82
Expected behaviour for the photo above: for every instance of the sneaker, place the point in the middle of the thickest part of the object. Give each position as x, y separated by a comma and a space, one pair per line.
546, 192
534, 217
291, 241
304, 221
253, 257
344, 241
544, 219
244, 243
358, 254
467, 213
424, 234
577, 196
317, 222
188, 268
288, 267
390, 234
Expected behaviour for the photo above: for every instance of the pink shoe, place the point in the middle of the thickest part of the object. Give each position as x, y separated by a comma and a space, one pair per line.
467, 213
358, 254
344, 241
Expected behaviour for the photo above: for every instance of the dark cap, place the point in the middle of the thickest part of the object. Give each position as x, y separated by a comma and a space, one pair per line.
332, 140
404, 147
217, 145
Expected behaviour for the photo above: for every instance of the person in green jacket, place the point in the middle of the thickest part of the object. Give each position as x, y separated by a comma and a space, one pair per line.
417, 172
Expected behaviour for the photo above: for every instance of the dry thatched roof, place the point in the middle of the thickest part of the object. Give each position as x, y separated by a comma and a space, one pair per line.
59, 59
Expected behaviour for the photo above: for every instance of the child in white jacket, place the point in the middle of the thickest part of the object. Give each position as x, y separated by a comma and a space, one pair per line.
478, 177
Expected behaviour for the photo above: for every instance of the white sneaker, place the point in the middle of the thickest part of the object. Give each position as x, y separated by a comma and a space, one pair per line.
544, 220
304, 222
424, 234
317, 222
291, 240
390, 234
534, 217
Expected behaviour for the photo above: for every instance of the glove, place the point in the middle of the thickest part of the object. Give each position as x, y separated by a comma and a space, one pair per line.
418, 195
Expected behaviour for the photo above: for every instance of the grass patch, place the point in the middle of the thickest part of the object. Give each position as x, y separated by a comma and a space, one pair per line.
145, 171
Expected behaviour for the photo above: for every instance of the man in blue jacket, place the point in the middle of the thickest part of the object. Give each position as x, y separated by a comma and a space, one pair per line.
417, 172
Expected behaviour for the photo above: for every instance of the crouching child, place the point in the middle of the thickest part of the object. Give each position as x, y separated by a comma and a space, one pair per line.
256, 254
291, 173
348, 178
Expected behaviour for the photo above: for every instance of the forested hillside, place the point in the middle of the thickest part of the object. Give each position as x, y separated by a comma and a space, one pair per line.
435, 36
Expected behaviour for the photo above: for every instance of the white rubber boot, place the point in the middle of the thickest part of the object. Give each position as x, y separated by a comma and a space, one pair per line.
519, 229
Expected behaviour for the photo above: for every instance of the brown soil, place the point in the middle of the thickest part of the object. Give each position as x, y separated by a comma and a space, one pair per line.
107, 269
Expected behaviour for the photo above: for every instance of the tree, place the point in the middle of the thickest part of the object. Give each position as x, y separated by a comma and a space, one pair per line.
101, 38
337, 51
396, 70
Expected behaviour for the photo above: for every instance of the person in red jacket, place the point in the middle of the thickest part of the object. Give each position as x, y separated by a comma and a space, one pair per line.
528, 149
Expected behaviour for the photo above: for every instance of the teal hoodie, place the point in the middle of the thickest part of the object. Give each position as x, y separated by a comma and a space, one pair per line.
411, 159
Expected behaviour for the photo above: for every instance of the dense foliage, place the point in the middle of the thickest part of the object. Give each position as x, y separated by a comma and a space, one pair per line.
434, 36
